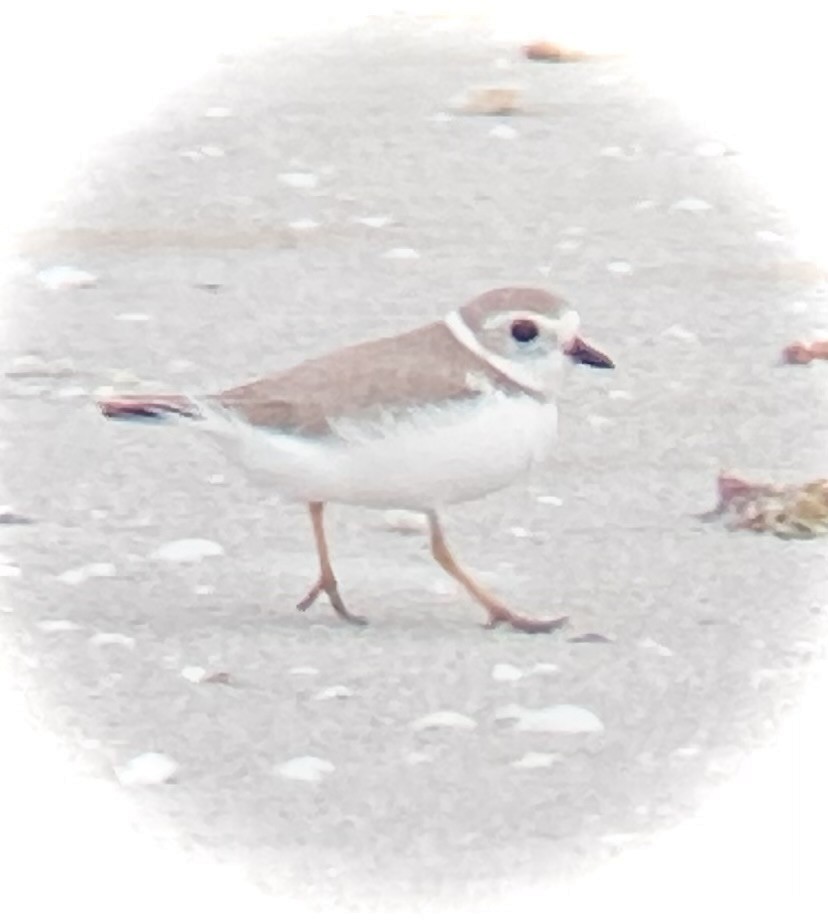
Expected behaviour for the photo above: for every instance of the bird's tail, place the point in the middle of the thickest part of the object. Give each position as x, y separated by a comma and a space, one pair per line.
155, 408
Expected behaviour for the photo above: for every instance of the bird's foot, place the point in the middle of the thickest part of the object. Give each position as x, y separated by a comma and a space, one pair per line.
332, 592
498, 615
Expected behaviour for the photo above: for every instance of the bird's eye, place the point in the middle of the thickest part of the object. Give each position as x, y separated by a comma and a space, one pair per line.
524, 330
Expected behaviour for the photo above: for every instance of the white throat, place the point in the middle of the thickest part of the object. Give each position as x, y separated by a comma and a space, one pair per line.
517, 373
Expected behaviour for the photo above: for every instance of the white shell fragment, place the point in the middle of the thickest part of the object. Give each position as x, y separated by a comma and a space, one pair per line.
376, 223
444, 718
418, 757
694, 205
506, 673
133, 317
104, 638
504, 132
680, 333
549, 500
85, 572
401, 252
65, 277
520, 532
194, 674
306, 769
568, 245
57, 626
564, 718
188, 550
299, 180
150, 769
402, 521
8, 569
544, 667
653, 646
337, 692
534, 760
303, 224
619, 267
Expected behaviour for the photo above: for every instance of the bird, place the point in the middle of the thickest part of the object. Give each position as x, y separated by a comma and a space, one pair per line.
442, 414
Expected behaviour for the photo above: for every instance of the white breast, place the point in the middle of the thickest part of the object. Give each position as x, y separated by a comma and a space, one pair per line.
427, 458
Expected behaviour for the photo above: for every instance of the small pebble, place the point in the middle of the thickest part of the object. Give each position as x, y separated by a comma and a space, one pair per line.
651, 645
198, 675
418, 757
544, 667
679, 332
85, 572
104, 638
188, 550
590, 638
693, 205
375, 223
194, 674
305, 223
306, 769
444, 718
504, 132
564, 718
534, 760
337, 692
687, 752
299, 180
568, 245
549, 500
488, 100
520, 532
150, 769
402, 521
57, 626
7, 516
506, 673
133, 317
65, 277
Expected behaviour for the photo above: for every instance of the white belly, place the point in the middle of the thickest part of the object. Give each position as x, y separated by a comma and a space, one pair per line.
427, 459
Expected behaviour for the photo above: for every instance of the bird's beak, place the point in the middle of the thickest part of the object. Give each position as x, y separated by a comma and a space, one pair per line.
581, 353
